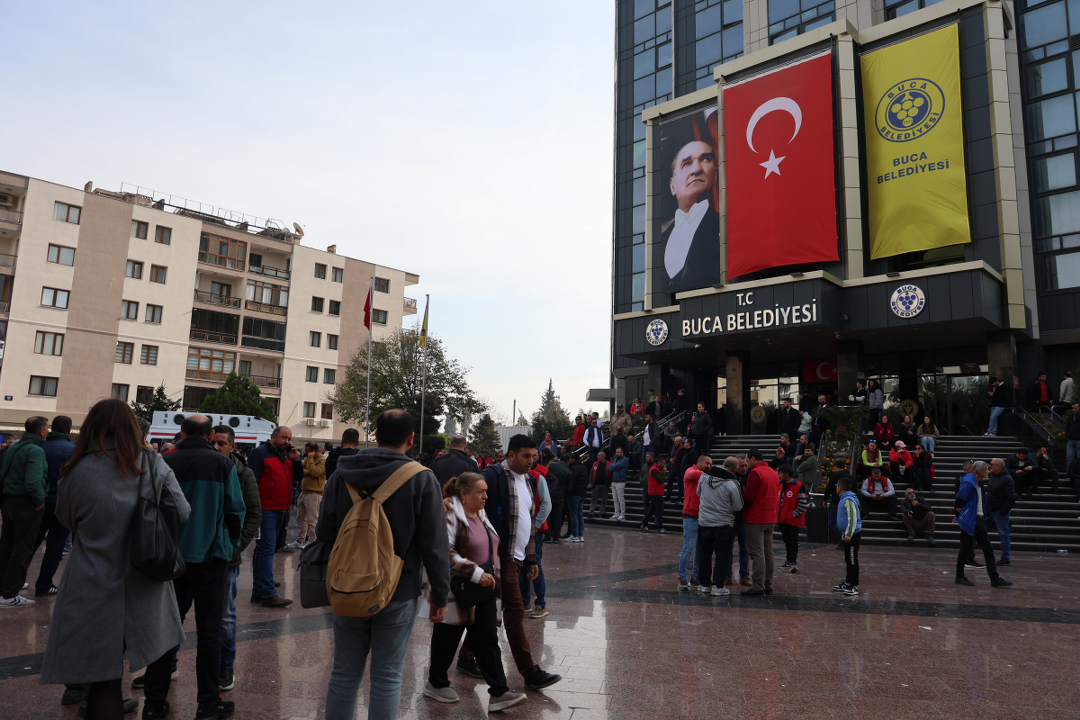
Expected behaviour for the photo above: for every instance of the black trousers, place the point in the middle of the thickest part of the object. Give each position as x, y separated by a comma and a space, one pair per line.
851, 558
1050, 473
555, 519
923, 480
654, 506
702, 443
1026, 481
886, 503
55, 537
790, 534
714, 551
483, 640
674, 485
19, 522
967, 550
203, 584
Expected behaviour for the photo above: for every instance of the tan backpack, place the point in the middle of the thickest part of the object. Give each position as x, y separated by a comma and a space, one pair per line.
363, 571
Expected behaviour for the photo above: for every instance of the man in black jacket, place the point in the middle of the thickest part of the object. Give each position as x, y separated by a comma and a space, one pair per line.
1000, 498
917, 515
702, 429
453, 463
1024, 471
1072, 437
350, 444
789, 419
559, 480
999, 400
822, 425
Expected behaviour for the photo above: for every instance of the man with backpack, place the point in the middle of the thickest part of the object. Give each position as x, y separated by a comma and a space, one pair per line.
413, 512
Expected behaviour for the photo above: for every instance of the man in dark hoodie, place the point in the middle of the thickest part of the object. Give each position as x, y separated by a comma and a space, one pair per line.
418, 523
58, 450
450, 465
350, 444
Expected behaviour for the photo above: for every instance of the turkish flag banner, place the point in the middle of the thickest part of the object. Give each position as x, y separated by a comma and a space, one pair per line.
780, 164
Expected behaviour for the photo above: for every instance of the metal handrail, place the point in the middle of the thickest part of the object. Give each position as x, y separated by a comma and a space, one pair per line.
7, 260
1033, 424
213, 337
270, 271
11, 216
213, 299
263, 307
409, 303
266, 381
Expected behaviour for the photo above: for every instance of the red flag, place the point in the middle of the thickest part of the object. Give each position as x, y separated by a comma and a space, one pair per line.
781, 188
367, 310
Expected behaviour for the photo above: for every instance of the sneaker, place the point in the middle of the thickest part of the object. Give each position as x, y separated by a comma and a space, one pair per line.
529, 608
964, 581
139, 682
538, 613
26, 586
286, 549
443, 695
974, 564
662, 531
226, 680
694, 580
72, 695
43, 593
911, 538
786, 565
153, 712
703, 590
851, 590
506, 700
930, 539
840, 588
16, 602
217, 710
538, 679
296, 545
1000, 582
470, 668
683, 585
1003, 562
794, 568
581, 538
719, 591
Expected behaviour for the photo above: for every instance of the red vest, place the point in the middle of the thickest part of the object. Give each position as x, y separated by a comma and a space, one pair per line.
766, 503
536, 473
789, 500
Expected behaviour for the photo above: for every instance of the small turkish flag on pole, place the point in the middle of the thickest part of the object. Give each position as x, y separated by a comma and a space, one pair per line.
367, 309
781, 183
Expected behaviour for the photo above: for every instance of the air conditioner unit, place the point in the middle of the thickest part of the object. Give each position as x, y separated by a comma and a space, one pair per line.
6, 201
309, 421
325, 422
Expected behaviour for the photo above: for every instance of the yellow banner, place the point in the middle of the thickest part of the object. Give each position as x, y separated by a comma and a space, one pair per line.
915, 145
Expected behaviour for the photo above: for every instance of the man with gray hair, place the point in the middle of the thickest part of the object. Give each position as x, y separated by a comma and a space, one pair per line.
453, 463
720, 498
1000, 496
970, 504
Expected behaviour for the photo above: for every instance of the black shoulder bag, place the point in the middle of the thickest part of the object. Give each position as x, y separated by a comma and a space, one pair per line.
468, 594
154, 530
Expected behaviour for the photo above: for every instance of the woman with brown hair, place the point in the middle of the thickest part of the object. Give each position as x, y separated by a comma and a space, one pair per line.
474, 573
106, 610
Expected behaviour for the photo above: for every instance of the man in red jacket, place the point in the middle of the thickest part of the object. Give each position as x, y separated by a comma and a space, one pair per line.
761, 505
276, 464
691, 504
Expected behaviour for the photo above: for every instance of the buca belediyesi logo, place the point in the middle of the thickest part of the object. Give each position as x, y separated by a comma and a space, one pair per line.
656, 332
909, 109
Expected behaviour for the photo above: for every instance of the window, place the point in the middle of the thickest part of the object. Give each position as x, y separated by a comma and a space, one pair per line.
139, 229
329, 376
129, 310
209, 364
378, 317
899, 8
314, 339
256, 260
144, 394
134, 269
222, 251
148, 356
312, 374
320, 271
220, 289
1047, 78
51, 297
3, 330
124, 352
1050, 118
265, 334
316, 304
1062, 271
327, 411
163, 235
337, 275
43, 385
47, 343
382, 285
153, 314
788, 18
65, 213
335, 307
331, 342
61, 255
267, 294
309, 409
157, 274
119, 392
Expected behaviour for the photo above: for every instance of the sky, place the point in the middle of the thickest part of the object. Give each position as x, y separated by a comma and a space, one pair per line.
470, 143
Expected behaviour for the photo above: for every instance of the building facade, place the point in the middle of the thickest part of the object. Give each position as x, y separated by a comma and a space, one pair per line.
110, 294
990, 287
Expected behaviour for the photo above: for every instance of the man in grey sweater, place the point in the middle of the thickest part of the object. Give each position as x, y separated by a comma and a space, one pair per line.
721, 498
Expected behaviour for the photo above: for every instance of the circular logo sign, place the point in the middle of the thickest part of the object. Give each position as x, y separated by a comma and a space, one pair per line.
907, 301
656, 332
909, 110
909, 407
757, 414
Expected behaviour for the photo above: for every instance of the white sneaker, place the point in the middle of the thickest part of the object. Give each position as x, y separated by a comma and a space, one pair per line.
504, 701
720, 590
581, 539
15, 602
703, 590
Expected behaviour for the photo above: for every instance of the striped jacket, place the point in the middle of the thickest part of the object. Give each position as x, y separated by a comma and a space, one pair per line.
457, 533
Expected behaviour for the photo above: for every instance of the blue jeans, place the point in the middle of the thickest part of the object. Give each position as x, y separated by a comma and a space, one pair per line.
927, 443
228, 620
577, 516
689, 547
538, 583
744, 553
995, 413
386, 637
1000, 520
1072, 452
262, 563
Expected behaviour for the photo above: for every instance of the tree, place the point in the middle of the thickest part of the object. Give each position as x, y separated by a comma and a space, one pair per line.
450, 426
551, 417
395, 382
484, 437
159, 401
238, 396
521, 421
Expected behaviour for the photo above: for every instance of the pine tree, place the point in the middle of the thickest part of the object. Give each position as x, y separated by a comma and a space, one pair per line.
159, 401
238, 396
551, 417
450, 427
484, 437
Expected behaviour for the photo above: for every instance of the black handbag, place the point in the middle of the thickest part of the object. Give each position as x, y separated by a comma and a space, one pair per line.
153, 536
468, 594
314, 559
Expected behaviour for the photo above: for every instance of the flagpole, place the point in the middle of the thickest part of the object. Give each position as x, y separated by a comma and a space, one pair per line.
423, 370
371, 332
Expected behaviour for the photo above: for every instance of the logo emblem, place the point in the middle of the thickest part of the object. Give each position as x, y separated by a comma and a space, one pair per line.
907, 301
909, 110
656, 332
757, 414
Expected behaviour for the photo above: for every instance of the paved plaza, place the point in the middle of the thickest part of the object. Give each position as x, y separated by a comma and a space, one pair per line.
630, 645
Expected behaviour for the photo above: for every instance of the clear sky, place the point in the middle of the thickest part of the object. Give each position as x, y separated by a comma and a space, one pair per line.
470, 143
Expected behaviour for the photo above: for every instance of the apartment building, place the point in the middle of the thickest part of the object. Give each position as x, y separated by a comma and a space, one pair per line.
111, 293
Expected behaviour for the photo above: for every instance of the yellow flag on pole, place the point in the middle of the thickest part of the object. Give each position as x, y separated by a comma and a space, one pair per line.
423, 328
915, 145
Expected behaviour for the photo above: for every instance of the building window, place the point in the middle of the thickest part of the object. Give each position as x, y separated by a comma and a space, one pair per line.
61, 255
327, 411
209, 364
314, 339
129, 310
220, 289
65, 213
331, 342
335, 307
163, 235
267, 294
222, 251
148, 355
382, 285
788, 18
378, 316
124, 352
899, 8
320, 271
134, 270
264, 334
144, 394
139, 229
316, 304
157, 274
312, 374
51, 297
120, 392
309, 409
47, 343
337, 275
153, 314
45, 386
329, 376
3, 330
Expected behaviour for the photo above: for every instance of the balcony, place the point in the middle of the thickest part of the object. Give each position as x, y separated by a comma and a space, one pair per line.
265, 381
5, 308
409, 306
213, 337
270, 272
263, 307
12, 217
262, 343
210, 298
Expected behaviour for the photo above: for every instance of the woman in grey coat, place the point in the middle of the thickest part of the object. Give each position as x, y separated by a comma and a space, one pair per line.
106, 610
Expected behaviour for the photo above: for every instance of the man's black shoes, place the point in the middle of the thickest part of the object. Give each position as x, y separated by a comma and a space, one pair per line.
470, 668
217, 710
964, 581
1000, 582
539, 679
154, 712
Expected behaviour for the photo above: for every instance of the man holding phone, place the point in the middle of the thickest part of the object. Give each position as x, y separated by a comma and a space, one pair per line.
276, 464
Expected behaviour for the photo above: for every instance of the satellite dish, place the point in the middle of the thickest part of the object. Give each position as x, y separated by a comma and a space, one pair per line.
299, 230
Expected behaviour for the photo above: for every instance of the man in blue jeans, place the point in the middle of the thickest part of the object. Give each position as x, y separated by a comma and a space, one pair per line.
1000, 498
999, 400
542, 497
740, 533
276, 465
